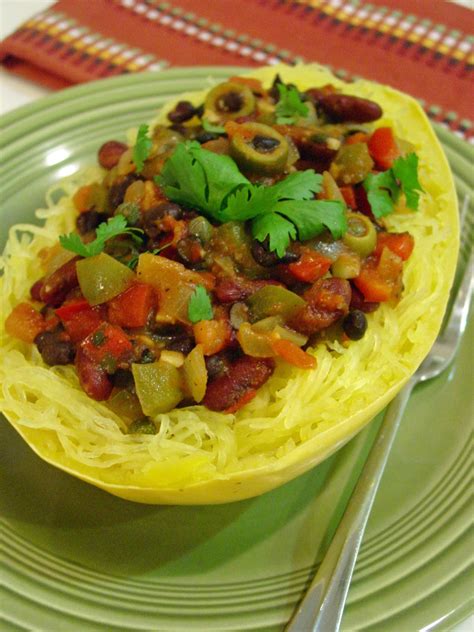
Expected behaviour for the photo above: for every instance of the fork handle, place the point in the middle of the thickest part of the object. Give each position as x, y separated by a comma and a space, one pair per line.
322, 607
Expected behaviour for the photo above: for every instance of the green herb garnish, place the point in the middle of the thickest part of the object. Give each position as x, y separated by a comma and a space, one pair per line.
107, 230
199, 306
142, 147
384, 189
290, 107
212, 183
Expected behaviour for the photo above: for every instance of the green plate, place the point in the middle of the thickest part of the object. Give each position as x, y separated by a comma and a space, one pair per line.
78, 559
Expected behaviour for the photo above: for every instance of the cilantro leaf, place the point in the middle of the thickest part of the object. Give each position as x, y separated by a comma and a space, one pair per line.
405, 170
311, 217
199, 178
278, 229
107, 230
382, 192
383, 189
142, 147
290, 107
199, 306
210, 127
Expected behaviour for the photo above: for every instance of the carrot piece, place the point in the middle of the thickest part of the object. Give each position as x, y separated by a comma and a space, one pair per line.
349, 196
82, 198
292, 354
24, 322
358, 137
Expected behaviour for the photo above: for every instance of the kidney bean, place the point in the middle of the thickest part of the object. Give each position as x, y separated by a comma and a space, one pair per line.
244, 376
358, 302
55, 348
233, 289
344, 107
93, 378
110, 152
317, 154
327, 301
35, 290
59, 283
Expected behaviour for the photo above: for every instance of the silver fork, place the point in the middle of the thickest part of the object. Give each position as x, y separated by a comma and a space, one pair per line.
322, 607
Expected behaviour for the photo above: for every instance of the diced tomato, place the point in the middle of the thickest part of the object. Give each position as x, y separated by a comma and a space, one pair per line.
310, 267
106, 342
401, 244
132, 307
383, 147
381, 279
292, 354
358, 137
214, 335
68, 310
349, 196
24, 322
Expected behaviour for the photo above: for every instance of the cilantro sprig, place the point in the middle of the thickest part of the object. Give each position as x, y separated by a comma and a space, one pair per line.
142, 147
199, 306
290, 107
212, 183
116, 226
384, 189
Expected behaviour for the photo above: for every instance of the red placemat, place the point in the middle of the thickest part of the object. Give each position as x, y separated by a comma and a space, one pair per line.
422, 47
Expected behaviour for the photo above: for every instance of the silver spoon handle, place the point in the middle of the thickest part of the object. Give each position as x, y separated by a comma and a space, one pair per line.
322, 607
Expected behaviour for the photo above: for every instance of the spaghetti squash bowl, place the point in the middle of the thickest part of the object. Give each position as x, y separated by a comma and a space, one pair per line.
298, 418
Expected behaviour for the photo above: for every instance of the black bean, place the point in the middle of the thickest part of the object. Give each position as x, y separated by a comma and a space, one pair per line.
355, 324
184, 345
89, 221
118, 189
217, 365
264, 144
262, 254
183, 111
53, 349
205, 137
152, 217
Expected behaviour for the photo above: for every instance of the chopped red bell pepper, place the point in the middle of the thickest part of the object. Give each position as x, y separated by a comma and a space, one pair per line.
83, 323
68, 310
310, 267
383, 147
401, 244
380, 279
107, 342
132, 307
349, 196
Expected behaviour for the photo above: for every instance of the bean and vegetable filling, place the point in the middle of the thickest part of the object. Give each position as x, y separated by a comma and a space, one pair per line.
235, 236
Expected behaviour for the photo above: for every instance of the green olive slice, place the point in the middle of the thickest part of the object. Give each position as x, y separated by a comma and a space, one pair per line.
229, 101
361, 235
259, 148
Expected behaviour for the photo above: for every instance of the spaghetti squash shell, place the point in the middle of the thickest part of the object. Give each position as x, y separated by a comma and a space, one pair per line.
300, 417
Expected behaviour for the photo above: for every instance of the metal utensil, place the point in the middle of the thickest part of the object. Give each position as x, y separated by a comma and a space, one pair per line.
323, 605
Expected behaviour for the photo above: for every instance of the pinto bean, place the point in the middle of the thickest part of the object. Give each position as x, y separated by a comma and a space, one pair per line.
327, 301
110, 152
93, 378
344, 107
59, 283
55, 348
244, 376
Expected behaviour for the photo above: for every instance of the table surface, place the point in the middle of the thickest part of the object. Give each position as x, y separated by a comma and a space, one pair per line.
15, 92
